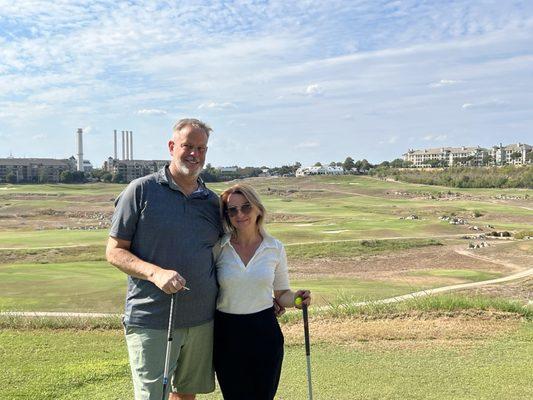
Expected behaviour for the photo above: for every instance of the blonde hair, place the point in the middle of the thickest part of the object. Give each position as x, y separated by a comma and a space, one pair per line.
253, 198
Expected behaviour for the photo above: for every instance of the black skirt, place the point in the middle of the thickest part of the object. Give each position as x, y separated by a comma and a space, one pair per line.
248, 353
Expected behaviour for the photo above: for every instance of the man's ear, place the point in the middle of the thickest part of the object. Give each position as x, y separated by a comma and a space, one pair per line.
171, 146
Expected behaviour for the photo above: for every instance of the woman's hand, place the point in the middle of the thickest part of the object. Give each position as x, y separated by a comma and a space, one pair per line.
305, 295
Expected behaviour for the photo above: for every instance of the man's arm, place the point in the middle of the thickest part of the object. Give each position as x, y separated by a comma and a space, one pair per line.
118, 253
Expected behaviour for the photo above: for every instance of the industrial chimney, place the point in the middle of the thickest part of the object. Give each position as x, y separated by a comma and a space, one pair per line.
115, 144
123, 146
80, 149
127, 145
131, 145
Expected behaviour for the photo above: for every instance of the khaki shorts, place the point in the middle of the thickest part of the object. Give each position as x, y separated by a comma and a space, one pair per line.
191, 360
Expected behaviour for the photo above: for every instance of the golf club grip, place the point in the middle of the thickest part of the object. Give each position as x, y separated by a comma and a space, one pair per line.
306, 329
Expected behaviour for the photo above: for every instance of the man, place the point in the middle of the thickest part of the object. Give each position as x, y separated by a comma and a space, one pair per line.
162, 234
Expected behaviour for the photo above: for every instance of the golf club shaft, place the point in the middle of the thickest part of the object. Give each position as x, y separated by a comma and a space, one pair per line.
307, 350
169, 344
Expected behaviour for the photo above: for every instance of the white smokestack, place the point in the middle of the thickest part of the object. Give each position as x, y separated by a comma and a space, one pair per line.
80, 149
123, 146
115, 144
131, 145
127, 145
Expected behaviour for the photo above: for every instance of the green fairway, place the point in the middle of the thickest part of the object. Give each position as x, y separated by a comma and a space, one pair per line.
96, 286
68, 364
52, 238
88, 286
470, 275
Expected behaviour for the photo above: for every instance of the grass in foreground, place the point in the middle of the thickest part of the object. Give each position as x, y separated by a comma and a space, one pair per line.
70, 364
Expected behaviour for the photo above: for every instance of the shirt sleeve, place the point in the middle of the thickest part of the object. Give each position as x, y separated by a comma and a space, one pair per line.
217, 250
281, 275
127, 211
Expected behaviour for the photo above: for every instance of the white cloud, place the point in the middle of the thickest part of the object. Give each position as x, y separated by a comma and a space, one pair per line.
307, 145
40, 136
151, 111
314, 90
389, 140
435, 138
444, 82
491, 103
216, 106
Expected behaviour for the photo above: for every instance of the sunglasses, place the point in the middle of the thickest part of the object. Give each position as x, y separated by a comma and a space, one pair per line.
245, 209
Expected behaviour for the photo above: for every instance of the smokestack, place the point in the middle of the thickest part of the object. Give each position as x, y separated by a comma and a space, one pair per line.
127, 145
123, 146
115, 144
80, 149
131, 145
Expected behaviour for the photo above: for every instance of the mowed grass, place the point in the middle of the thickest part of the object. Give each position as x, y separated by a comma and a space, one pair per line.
69, 364
52, 238
89, 286
463, 274
96, 286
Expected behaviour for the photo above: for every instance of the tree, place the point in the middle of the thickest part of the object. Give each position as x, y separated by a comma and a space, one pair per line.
118, 178
43, 176
363, 165
397, 163
348, 164
529, 156
106, 177
333, 164
318, 164
516, 155
11, 178
487, 159
65, 177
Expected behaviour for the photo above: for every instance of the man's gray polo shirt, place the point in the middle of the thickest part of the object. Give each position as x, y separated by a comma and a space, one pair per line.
173, 231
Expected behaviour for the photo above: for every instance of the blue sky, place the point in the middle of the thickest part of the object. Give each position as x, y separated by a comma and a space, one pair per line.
279, 82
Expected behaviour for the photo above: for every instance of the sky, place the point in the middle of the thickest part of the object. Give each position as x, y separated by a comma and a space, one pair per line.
279, 81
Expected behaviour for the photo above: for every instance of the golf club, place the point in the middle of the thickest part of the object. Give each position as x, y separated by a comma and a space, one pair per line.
307, 350
169, 344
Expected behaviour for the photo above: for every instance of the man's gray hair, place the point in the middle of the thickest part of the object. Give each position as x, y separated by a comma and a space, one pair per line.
196, 123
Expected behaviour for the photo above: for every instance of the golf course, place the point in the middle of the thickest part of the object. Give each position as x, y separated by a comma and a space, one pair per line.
461, 258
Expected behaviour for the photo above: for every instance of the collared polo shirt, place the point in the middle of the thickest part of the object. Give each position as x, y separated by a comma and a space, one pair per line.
174, 231
248, 289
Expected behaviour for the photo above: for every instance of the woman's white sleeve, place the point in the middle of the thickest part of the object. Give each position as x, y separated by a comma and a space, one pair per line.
281, 275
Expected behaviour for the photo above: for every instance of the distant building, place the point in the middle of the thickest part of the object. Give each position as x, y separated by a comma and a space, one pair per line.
87, 166
34, 170
447, 155
133, 169
227, 169
320, 170
474, 156
511, 154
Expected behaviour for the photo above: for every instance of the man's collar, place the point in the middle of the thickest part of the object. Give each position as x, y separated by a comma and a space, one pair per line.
164, 177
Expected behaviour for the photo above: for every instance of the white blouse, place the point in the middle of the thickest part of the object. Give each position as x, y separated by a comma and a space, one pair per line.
248, 289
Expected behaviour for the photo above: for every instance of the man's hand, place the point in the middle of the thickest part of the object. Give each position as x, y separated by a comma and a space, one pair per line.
169, 281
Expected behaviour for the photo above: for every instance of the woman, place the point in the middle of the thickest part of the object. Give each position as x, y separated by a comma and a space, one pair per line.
251, 265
